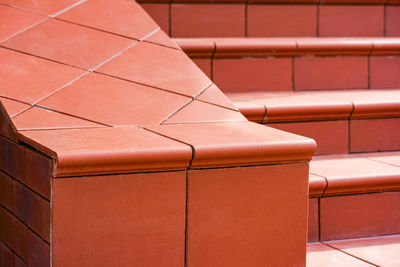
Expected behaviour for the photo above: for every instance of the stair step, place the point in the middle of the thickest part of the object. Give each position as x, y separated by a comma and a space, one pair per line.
354, 195
297, 64
276, 18
376, 251
340, 121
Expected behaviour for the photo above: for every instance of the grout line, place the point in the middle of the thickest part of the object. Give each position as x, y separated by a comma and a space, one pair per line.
21, 112
169, 19
212, 61
214, 104
319, 219
150, 34
176, 111
385, 19
317, 16
67, 8
386, 163
349, 128
351, 255
23, 30
293, 74
369, 70
23, 9
245, 19
202, 91
13, 252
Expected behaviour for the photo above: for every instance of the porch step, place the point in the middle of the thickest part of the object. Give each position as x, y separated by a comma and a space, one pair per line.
354, 195
340, 121
297, 64
276, 18
377, 251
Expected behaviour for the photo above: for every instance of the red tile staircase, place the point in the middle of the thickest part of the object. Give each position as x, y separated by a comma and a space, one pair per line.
328, 70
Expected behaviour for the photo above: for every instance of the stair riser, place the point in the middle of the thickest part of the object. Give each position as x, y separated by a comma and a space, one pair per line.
275, 20
302, 73
353, 216
343, 136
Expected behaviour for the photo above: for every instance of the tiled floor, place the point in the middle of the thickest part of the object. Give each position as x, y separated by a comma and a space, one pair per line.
374, 251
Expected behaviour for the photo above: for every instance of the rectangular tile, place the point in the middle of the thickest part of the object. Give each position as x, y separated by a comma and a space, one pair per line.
281, 20
313, 220
392, 21
39, 252
374, 135
243, 216
204, 64
331, 136
253, 74
6, 192
38, 172
360, 215
207, 20
312, 73
159, 12
384, 71
351, 21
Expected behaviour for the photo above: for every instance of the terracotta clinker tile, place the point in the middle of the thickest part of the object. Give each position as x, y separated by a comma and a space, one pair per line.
12, 159
6, 227
281, 20
252, 111
39, 171
68, 43
204, 64
352, 21
18, 262
132, 21
119, 220
374, 135
41, 77
108, 150
39, 118
166, 68
198, 111
392, 158
14, 20
332, 137
6, 256
352, 174
316, 185
254, 74
384, 72
32, 210
355, 216
215, 96
322, 255
238, 143
392, 21
39, 251
232, 221
126, 103
20, 239
47, 7
313, 224
159, 12
312, 73
13, 107
207, 20
382, 251
6, 192
161, 38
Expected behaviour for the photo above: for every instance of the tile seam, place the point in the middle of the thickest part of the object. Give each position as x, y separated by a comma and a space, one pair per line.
349, 254
13, 251
67, 8
24, 29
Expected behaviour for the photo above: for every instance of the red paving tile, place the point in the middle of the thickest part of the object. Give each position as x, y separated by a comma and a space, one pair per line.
322, 255
351, 21
14, 20
161, 38
168, 69
214, 95
87, 48
392, 158
126, 103
131, 20
384, 72
39, 118
13, 107
48, 7
207, 20
313, 226
382, 251
281, 20
392, 21
41, 77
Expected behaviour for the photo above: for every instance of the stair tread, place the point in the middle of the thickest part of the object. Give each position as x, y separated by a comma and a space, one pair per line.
379, 251
318, 105
354, 173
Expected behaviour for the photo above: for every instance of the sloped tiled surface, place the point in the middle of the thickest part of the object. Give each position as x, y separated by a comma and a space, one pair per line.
47, 7
13, 107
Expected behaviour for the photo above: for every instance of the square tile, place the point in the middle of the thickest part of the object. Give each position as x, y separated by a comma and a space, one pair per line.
207, 20
356, 216
281, 20
351, 21
132, 21
253, 74
112, 101
41, 77
384, 72
158, 66
118, 220
14, 20
69, 43
313, 73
